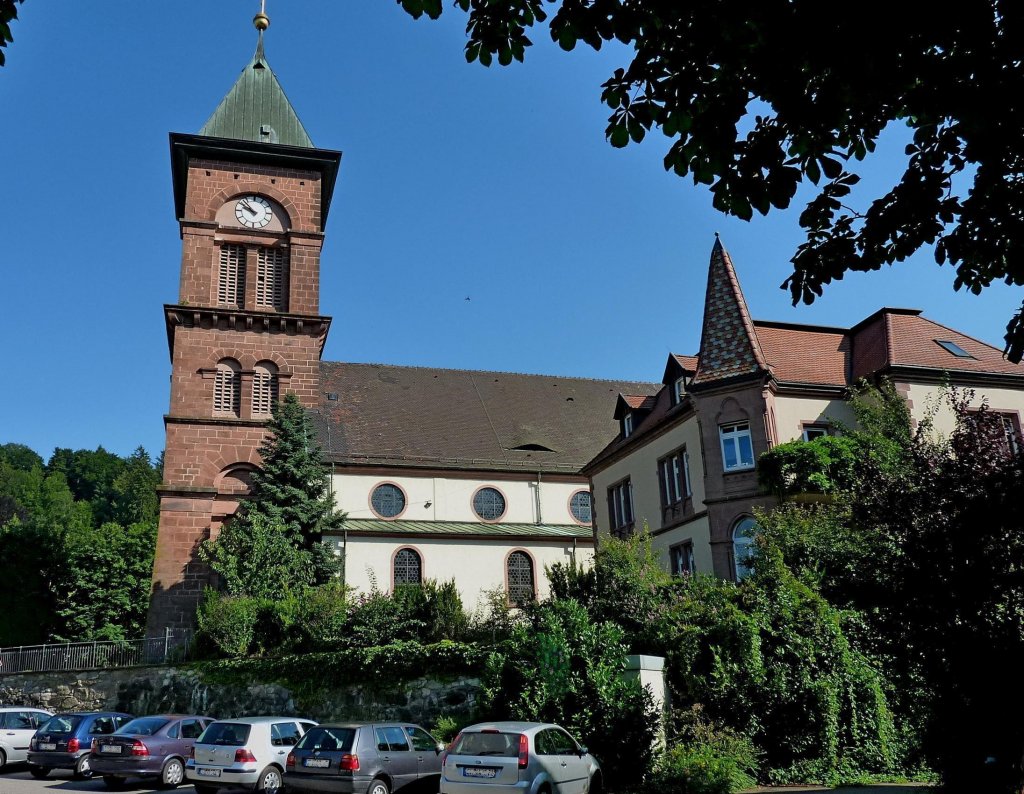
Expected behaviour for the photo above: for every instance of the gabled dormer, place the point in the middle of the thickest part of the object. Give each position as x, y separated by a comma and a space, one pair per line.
679, 372
631, 410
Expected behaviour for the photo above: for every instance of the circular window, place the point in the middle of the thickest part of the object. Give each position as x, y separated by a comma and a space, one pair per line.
387, 500
489, 504
579, 506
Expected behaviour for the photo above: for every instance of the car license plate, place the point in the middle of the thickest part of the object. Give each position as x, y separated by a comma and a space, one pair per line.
47, 746
110, 748
204, 772
317, 763
479, 771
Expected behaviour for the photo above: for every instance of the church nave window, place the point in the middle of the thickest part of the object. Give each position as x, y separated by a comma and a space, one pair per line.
264, 388
227, 388
271, 279
408, 567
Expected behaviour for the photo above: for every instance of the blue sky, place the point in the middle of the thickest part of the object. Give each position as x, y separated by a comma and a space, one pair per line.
456, 181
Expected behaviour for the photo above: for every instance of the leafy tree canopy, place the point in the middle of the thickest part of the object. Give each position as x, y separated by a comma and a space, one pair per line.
756, 99
8, 13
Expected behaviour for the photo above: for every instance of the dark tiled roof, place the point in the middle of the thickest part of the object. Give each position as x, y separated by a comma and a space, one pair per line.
421, 416
369, 526
728, 344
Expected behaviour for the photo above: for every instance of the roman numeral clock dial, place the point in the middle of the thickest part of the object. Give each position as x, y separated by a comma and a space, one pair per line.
253, 212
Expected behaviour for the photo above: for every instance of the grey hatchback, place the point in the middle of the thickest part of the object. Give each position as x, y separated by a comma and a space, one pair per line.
356, 757
148, 747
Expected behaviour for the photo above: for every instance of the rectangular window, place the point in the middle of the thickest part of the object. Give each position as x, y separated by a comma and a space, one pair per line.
231, 278
737, 447
620, 507
812, 432
271, 279
627, 425
674, 483
681, 559
1011, 431
678, 390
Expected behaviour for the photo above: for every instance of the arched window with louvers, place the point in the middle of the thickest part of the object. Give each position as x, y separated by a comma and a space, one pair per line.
272, 278
227, 388
264, 388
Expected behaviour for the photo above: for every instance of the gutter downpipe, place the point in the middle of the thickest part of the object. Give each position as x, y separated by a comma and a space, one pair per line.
536, 495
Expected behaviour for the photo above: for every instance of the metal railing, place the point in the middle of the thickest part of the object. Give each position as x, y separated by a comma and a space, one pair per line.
173, 646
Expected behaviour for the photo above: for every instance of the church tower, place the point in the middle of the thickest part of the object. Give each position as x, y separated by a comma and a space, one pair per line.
252, 194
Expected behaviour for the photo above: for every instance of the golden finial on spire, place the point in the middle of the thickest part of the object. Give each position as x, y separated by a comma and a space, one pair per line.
261, 20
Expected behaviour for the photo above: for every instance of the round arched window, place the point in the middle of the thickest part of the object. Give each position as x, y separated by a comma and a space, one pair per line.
489, 504
743, 546
520, 577
387, 500
408, 567
579, 506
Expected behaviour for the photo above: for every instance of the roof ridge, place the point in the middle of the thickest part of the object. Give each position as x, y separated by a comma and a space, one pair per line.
489, 372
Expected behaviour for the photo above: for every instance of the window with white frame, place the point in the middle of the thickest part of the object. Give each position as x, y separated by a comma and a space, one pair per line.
813, 431
678, 390
743, 535
227, 388
264, 388
231, 276
620, 507
1011, 432
271, 279
737, 447
681, 559
627, 425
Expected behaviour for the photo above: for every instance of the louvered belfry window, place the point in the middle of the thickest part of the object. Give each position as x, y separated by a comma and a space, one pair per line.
227, 388
271, 278
520, 577
264, 388
231, 279
408, 567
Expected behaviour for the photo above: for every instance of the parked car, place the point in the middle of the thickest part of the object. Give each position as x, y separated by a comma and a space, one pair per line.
353, 757
17, 725
249, 752
154, 746
523, 757
65, 741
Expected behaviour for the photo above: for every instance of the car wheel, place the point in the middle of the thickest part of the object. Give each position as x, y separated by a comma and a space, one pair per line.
173, 773
378, 786
39, 772
83, 769
270, 780
113, 782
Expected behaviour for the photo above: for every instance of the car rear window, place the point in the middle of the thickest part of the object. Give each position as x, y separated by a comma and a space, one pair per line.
503, 744
328, 739
62, 723
234, 734
143, 726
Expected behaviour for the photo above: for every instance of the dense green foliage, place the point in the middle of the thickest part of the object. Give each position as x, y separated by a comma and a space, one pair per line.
759, 99
8, 13
702, 759
76, 544
274, 543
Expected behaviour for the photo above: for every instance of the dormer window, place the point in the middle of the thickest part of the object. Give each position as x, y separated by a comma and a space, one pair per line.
678, 389
627, 425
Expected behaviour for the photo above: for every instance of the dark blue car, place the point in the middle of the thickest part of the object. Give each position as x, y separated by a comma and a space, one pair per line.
65, 741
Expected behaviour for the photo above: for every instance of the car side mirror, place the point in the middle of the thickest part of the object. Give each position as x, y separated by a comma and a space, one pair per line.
439, 748
583, 751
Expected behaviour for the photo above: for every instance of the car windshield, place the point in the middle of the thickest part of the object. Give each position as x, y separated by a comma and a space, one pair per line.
328, 739
62, 723
234, 734
144, 726
503, 744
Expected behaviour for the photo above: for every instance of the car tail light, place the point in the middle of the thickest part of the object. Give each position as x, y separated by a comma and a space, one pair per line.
74, 745
349, 762
448, 749
32, 743
289, 761
243, 756
524, 751
192, 753
139, 749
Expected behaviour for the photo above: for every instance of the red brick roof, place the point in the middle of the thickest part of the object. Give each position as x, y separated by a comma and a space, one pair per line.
805, 354
912, 342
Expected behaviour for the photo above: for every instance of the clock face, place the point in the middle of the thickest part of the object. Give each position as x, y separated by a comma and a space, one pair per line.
254, 212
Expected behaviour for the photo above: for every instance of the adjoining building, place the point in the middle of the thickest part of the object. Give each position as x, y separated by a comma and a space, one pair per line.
684, 462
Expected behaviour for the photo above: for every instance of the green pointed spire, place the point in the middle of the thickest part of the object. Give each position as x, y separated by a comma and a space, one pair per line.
256, 109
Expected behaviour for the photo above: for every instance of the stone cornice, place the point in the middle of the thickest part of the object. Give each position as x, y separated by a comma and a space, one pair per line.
227, 319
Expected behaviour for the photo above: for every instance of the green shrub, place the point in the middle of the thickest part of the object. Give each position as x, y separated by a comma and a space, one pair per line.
445, 729
322, 622
446, 618
227, 624
379, 619
703, 758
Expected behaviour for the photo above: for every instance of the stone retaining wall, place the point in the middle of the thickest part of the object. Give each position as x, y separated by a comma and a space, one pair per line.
153, 690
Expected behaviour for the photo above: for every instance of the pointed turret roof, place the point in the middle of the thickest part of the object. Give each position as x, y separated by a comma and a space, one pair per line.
256, 109
728, 344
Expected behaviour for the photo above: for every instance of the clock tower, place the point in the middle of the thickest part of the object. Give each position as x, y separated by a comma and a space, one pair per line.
251, 194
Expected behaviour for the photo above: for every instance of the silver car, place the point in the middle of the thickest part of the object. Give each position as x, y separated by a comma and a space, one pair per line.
16, 728
518, 758
248, 753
